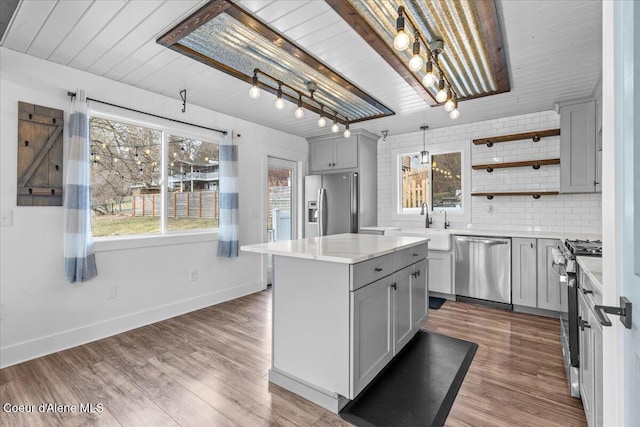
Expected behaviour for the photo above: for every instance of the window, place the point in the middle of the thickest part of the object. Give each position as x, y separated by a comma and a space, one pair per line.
438, 184
127, 175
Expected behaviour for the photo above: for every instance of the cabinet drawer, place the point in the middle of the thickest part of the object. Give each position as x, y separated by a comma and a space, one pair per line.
408, 256
371, 270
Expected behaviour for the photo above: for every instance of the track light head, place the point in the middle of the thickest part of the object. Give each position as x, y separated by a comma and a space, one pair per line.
299, 113
347, 132
254, 92
279, 101
402, 40
334, 127
449, 105
441, 96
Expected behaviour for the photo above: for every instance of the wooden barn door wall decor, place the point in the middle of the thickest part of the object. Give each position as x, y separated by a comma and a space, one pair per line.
40, 145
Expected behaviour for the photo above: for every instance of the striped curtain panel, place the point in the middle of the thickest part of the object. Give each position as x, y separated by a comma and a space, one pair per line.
228, 233
80, 262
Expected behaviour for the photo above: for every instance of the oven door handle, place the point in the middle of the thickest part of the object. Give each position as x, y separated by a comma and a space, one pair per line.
563, 277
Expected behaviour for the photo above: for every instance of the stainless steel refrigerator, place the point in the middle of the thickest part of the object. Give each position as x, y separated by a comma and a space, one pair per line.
331, 204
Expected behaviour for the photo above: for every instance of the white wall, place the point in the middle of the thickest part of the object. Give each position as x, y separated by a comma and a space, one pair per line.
41, 312
570, 213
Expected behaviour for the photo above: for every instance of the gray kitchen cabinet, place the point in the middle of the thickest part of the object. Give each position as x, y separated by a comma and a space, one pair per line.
578, 155
372, 308
440, 266
386, 314
402, 307
334, 154
590, 339
534, 283
552, 294
419, 293
524, 266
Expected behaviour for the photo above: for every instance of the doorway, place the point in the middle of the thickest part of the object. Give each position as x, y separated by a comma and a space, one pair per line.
281, 213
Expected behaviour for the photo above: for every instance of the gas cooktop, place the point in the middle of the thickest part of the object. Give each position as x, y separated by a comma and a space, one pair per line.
584, 247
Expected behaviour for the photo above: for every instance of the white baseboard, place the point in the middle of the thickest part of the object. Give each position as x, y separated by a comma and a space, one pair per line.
43, 346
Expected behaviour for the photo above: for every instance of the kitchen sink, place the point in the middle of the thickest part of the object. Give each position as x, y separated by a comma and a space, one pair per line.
440, 239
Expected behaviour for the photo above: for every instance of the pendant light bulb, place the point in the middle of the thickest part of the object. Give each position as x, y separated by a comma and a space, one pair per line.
441, 96
449, 105
334, 127
429, 78
416, 61
454, 114
322, 122
279, 101
402, 40
299, 113
347, 132
254, 92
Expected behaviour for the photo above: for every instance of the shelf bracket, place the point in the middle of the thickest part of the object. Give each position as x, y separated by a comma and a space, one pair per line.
490, 196
489, 144
536, 196
536, 138
489, 169
536, 166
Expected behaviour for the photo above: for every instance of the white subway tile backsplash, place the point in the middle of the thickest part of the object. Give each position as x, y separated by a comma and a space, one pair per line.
575, 213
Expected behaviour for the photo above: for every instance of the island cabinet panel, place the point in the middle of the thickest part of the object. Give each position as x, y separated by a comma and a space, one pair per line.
371, 270
419, 293
372, 308
552, 294
311, 322
403, 319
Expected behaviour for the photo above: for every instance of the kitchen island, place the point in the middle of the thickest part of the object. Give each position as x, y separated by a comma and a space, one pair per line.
343, 306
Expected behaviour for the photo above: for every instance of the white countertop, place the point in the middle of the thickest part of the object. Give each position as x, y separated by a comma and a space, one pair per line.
592, 266
341, 248
500, 233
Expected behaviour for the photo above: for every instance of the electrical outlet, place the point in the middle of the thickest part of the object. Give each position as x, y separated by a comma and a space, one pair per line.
6, 218
112, 292
193, 275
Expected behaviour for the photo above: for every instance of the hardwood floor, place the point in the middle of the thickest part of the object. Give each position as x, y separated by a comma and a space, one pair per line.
209, 368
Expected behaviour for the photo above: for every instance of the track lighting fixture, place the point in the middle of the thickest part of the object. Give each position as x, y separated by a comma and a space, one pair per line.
347, 132
402, 40
322, 122
279, 101
254, 92
334, 127
446, 92
299, 113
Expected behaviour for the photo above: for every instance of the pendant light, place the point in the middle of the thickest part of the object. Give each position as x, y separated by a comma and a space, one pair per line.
449, 105
299, 113
429, 79
416, 61
254, 92
279, 101
402, 40
322, 122
454, 114
424, 154
334, 127
441, 96
347, 132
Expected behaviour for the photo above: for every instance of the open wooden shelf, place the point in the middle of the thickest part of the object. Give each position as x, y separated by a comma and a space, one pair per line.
534, 163
535, 194
535, 136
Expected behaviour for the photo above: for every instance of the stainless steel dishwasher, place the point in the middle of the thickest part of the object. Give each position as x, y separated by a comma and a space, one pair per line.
483, 269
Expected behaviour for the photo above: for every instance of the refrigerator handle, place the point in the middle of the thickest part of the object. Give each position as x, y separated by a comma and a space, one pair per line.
354, 203
322, 212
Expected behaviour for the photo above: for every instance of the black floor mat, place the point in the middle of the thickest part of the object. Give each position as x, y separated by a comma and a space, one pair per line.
435, 303
418, 388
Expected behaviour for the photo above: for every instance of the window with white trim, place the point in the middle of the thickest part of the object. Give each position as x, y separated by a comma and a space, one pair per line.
148, 179
437, 183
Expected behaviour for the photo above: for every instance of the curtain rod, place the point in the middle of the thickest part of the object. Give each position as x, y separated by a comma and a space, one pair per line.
224, 132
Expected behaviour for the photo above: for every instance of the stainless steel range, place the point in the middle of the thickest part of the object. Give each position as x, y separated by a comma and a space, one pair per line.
564, 263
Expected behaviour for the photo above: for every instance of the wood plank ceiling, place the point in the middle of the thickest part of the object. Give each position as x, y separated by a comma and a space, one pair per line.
553, 50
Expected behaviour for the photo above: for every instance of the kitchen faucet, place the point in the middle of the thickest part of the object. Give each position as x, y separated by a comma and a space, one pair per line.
446, 224
425, 212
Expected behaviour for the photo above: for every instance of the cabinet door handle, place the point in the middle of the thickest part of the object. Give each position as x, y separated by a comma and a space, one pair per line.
531, 245
378, 269
418, 273
415, 254
329, 164
582, 324
587, 291
393, 285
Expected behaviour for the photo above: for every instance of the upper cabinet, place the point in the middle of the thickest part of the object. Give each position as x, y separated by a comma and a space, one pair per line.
333, 154
578, 149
